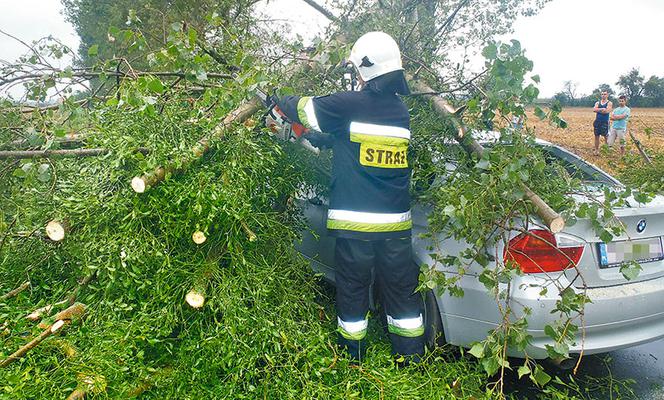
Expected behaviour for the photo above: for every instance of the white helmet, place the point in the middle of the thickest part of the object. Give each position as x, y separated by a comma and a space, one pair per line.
375, 54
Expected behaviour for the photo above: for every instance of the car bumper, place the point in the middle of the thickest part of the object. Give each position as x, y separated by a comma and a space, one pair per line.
618, 317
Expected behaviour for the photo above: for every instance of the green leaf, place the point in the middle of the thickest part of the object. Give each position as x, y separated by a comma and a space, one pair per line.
539, 113
156, 86
483, 164
523, 370
93, 50
631, 270
540, 377
59, 132
477, 350
535, 78
490, 52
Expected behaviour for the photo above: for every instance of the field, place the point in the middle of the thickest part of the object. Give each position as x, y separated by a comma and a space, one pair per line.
647, 124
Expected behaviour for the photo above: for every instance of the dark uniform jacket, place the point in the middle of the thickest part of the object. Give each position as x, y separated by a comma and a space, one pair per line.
370, 197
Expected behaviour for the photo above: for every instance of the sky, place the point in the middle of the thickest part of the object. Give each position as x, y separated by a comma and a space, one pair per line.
586, 41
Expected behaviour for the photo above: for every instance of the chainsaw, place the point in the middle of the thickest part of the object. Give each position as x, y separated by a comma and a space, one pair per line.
282, 126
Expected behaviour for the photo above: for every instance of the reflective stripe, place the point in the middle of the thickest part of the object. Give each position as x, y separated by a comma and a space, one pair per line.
306, 113
353, 330
407, 327
367, 217
384, 140
368, 222
366, 227
379, 130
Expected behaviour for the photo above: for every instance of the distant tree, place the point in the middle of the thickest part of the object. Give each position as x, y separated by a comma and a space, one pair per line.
653, 91
93, 18
570, 88
631, 85
563, 99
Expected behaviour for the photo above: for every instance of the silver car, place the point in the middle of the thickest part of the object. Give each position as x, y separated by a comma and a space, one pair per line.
622, 312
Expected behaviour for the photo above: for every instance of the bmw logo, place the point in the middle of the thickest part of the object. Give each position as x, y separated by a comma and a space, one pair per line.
641, 226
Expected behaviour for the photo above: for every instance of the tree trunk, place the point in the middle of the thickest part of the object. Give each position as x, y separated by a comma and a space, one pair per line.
637, 142
142, 183
17, 154
16, 291
32, 344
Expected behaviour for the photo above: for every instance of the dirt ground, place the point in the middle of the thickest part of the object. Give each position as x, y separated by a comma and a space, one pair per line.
578, 136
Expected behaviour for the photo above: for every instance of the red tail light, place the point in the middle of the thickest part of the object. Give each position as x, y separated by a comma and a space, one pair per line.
538, 251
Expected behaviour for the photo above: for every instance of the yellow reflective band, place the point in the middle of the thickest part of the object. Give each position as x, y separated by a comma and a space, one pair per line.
406, 327
383, 156
368, 226
379, 130
306, 113
352, 330
375, 139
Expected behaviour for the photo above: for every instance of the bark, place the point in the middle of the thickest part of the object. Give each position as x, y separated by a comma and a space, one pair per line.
140, 184
32, 344
67, 141
72, 313
639, 146
42, 311
322, 10
15, 292
250, 234
16, 154
77, 394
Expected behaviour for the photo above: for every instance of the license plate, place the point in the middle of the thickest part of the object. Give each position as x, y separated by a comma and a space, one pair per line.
641, 250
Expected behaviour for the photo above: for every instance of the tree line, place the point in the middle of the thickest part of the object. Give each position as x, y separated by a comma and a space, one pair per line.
639, 91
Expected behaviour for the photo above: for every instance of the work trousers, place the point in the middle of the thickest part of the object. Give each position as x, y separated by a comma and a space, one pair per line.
396, 277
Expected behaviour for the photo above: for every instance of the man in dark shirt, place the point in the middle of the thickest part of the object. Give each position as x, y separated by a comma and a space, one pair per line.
602, 110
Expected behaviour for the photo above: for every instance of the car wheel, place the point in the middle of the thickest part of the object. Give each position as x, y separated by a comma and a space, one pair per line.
434, 336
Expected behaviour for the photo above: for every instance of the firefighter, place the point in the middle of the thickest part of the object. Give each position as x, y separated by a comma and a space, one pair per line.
369, 212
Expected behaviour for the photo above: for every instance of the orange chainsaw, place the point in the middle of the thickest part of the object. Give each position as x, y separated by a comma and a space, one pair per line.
282, 126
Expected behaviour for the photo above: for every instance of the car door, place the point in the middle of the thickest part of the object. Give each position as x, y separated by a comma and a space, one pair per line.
316, 245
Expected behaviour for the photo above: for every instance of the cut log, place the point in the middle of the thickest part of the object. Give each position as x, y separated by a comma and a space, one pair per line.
195, 298
250, 234
72, 313
56, 230
140, 184
70, 140
17, 154
198, 237
16, 291
552, 219
43, 311
32, 344
77, 394
639, 147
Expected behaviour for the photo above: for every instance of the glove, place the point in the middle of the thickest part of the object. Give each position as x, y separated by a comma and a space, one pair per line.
321, 140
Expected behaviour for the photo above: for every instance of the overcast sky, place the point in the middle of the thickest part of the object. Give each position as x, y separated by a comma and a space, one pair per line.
586, 41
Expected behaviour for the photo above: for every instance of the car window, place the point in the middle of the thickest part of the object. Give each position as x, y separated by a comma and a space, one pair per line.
576, 167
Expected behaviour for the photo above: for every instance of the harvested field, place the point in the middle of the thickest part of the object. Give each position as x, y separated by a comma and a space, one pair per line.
578, 136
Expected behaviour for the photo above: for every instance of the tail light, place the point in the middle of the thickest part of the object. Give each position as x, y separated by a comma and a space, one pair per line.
539, 251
